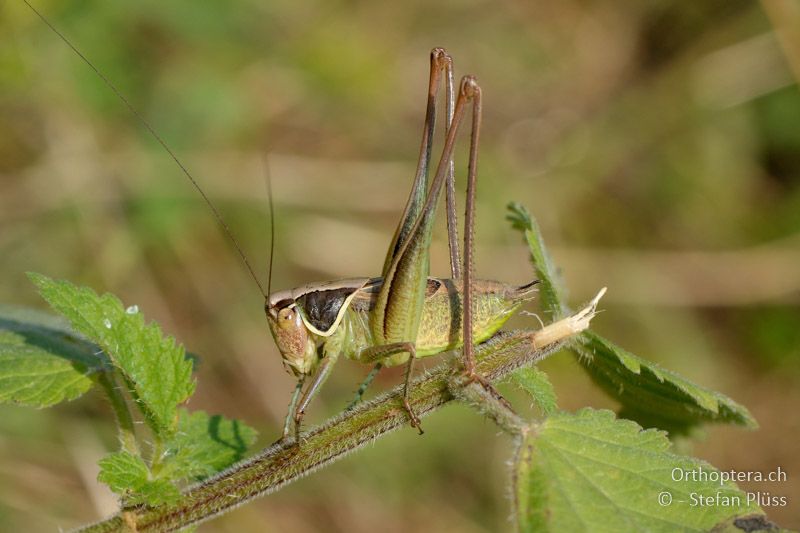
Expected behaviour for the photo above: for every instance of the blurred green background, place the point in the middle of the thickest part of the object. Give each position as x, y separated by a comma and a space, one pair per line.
657, 142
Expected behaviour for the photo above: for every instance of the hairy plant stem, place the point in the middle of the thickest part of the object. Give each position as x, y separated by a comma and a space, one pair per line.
127, 433
283, 463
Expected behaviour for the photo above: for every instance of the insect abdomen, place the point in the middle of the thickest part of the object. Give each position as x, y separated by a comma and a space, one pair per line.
441, 324
441, 327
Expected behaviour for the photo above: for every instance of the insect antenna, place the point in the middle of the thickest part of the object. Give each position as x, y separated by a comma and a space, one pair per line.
139, 117
268, 183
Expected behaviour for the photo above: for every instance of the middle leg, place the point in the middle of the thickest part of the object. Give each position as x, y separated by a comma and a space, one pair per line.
385, 350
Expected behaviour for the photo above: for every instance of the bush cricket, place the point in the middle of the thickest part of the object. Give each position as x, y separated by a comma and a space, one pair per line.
403, 314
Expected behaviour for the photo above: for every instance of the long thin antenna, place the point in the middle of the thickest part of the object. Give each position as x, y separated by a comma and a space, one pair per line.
268, 182
160, 141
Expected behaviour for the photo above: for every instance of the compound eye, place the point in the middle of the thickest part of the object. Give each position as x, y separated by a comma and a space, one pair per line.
286, 315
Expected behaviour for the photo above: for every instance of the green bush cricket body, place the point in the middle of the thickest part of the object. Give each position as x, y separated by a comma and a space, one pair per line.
403, 314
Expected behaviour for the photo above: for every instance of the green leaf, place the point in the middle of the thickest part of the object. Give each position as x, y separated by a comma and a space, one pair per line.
649, 394
550, 289
591, 472
154, 493
536, 383
652, 395
43, 362
201, 446
154, 364
205, 445
123, 472
127, 475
